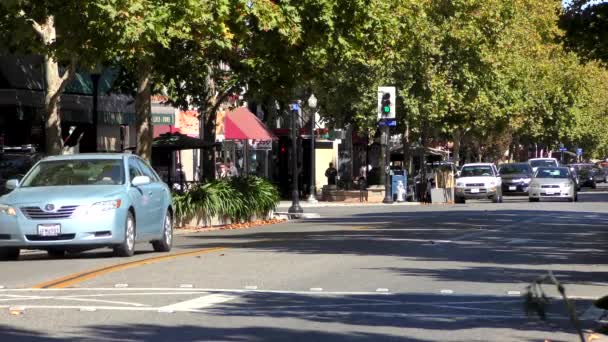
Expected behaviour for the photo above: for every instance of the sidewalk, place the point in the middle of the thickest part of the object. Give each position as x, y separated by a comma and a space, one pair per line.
320, 204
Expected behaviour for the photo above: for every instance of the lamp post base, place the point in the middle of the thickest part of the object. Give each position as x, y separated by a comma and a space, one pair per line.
388, 200
312, 199
295, 209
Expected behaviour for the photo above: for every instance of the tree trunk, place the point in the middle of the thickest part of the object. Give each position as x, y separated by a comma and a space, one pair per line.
52, 125
143, 109
407, 153
457, 137
55, 83
209, 117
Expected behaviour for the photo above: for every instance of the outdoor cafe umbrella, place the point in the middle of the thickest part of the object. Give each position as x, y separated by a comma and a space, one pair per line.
170, 142
177, 141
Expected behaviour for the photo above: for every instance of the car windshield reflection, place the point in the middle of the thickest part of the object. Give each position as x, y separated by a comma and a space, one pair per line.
552, 173
76, 172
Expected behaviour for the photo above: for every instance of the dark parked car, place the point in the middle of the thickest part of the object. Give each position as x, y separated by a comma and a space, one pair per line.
516, 178
14, 164
588, 175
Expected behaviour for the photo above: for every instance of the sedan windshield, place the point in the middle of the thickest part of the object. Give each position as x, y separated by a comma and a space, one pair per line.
476, 171
555, 172
76, 172
514, 169
541, 163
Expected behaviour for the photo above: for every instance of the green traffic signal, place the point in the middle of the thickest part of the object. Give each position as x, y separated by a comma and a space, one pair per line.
386, 103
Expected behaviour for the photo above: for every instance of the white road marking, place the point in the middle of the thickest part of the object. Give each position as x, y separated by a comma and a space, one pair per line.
514, 293
186, 286
121, 285
251, 287
446, 291
381, 290
67, 298
178, 290
316, 289
198, 303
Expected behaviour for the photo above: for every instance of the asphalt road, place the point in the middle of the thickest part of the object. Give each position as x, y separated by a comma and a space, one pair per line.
373, 273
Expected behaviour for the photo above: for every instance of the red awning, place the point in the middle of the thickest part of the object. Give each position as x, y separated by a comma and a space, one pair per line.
241, 124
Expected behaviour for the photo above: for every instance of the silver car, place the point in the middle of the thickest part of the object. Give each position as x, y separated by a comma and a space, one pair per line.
553, 182
86, 201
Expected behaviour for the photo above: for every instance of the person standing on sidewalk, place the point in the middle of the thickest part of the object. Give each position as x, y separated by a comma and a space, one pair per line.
331, 173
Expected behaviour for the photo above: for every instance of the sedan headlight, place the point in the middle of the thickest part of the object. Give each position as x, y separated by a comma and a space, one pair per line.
7, 210
526, 180
566, 185
105, 205
534, 185
460, 185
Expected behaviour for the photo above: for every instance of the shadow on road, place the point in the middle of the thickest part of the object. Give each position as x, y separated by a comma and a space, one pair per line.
508, 237
400, 317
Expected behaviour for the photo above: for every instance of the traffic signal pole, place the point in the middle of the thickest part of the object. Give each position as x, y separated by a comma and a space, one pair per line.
388, 195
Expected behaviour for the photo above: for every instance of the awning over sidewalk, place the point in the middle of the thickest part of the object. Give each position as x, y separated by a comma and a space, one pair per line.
241, 124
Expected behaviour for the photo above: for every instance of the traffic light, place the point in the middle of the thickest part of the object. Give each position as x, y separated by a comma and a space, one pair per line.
386, 104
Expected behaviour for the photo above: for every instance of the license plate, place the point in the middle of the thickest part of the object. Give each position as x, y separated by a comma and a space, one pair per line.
49, 229
550, 192
512, 188
474, 191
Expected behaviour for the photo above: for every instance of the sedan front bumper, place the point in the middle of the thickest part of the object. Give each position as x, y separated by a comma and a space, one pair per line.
552, 193
103, 229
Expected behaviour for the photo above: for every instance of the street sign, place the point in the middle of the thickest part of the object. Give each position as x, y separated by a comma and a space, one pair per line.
386, 102
389, 123
579, 152
295, 106
563, 149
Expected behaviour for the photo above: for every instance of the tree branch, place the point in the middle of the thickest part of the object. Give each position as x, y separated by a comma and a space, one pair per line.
37, 27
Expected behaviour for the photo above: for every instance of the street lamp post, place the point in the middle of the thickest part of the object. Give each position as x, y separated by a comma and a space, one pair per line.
95, 77
312, 103
295, 195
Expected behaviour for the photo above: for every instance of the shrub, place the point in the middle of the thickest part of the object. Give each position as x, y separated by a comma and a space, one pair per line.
236, 198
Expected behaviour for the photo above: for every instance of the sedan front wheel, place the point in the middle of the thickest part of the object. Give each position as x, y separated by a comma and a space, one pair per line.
166, 241
127, 247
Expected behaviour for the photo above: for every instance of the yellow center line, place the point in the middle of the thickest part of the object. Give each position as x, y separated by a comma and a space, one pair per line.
82, 276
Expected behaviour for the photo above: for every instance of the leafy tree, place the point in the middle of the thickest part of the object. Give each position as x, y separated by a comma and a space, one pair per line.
60, 32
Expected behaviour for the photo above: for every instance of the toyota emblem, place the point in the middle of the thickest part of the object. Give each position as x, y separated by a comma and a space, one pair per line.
49, 207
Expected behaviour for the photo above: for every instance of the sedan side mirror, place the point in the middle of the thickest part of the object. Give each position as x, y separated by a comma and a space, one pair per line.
140, 180
12, 184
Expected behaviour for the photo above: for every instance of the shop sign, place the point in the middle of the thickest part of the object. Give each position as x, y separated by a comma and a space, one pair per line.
163, 119
262, 145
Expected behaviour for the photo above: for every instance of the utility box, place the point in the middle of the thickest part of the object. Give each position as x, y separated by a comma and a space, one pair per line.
399, 185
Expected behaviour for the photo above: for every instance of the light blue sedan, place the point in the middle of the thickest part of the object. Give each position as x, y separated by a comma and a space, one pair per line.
86, 201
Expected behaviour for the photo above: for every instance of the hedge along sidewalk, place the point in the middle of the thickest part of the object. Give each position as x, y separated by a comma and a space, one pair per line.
226, 201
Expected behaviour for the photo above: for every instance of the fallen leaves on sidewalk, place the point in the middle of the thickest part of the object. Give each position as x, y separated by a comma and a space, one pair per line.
244, 225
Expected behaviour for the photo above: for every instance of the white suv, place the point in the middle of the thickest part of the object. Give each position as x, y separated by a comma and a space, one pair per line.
535, 163
477, 181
